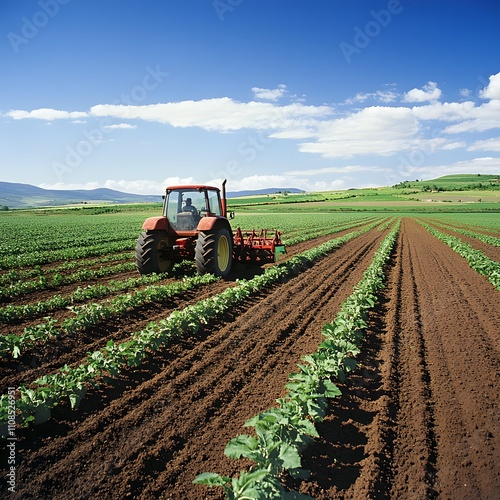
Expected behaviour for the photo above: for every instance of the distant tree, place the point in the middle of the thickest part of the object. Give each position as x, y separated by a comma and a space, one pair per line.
4, 208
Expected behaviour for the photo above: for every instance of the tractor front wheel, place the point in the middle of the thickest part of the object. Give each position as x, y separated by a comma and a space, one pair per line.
214, 252
152, 254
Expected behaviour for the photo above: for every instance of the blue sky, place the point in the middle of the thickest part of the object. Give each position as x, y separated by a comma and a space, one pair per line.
314, 94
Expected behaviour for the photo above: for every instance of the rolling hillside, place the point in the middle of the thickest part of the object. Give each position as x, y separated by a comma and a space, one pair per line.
17, 195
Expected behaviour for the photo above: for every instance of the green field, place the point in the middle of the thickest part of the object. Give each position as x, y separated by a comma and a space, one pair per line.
466, 196
451, 193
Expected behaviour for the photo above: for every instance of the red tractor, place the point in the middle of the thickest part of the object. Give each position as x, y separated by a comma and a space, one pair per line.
195, 226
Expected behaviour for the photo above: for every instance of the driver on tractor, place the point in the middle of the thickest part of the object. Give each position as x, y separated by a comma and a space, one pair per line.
188, 207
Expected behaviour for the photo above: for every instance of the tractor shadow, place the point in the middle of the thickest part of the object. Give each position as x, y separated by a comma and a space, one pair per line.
245, 271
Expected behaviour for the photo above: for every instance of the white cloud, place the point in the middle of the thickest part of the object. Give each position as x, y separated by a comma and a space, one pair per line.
477, 125
281, 181
492, 90
219, 114
347, 169
474, 118
448, 146
385, 96
139, 186
254, 182
269, 94
447, 111
301, 131
45, 114
120, 126
482, 165
429, 92
63, 185
492, 144
372, 130
148, 187
480, 118
375, 130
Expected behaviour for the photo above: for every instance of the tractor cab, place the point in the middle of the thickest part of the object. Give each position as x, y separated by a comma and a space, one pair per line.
185, 206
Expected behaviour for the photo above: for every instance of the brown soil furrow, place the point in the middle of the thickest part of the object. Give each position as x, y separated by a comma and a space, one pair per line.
40, 295
152, 440
490, 251
464, 369
420, 415
468, 227
414, 416
70, 349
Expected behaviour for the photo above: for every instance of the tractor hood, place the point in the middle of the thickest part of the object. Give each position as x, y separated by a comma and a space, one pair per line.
156, 223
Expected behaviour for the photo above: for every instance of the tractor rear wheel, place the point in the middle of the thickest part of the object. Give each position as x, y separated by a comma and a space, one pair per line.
151, 253
214, 252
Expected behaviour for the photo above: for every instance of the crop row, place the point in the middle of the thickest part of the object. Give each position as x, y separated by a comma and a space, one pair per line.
12, 313
317, 233
43, 283
476, 259
291, 224
51, 231
34, 403
85, 316
16, 275
48, 256
73, 240
91, 314
478, 221
284, 432
490, 240
320, 225
21, 288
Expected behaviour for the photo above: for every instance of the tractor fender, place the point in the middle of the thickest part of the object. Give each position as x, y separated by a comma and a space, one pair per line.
155, 223
208, 223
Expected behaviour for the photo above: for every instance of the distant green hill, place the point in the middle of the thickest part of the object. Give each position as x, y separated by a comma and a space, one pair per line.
461, 182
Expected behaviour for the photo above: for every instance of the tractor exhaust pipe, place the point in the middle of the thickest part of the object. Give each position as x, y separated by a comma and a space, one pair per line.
224, 207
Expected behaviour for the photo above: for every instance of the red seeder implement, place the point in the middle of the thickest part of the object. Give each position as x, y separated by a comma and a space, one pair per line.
262, 246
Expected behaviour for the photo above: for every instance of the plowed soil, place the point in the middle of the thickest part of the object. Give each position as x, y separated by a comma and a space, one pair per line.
418, 419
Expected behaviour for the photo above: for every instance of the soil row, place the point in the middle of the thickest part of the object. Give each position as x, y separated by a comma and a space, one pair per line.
71, 349
420, 417
150, 432
490, 251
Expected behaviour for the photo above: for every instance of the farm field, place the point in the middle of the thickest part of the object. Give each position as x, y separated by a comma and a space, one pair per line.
418, 418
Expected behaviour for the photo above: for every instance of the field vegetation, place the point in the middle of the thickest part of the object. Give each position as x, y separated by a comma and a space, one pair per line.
350, 368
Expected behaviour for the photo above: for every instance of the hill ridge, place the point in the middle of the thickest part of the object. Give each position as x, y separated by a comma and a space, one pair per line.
21, 195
